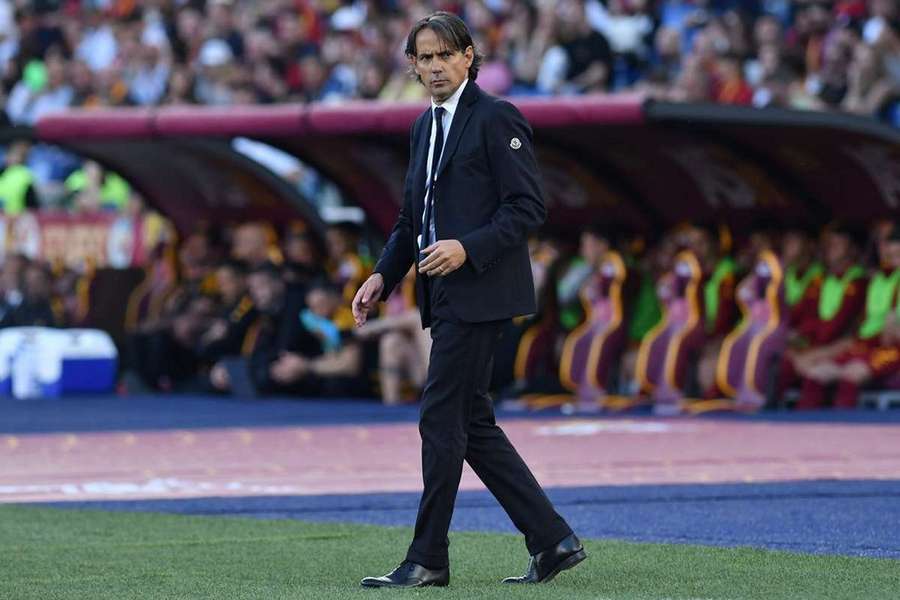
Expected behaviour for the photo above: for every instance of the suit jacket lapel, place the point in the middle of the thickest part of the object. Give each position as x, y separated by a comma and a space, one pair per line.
421, 158
460, 118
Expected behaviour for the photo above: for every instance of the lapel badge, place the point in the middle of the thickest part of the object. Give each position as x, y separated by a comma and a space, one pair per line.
515, 143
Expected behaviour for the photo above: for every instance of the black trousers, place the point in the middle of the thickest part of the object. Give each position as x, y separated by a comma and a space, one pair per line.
457, 424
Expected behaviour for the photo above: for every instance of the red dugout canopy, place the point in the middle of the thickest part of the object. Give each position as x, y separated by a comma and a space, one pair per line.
619, 159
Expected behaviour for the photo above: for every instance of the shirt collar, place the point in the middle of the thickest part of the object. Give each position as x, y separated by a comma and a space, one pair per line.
450, 103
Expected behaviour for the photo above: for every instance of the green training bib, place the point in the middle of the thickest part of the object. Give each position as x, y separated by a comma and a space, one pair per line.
833, 290
879, 296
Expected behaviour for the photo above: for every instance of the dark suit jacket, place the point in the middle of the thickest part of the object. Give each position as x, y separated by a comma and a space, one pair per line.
487, 196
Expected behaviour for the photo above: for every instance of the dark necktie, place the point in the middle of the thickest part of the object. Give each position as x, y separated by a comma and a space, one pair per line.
435, 161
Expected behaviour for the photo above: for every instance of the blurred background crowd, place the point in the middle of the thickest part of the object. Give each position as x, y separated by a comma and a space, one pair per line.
253, 311
806, 54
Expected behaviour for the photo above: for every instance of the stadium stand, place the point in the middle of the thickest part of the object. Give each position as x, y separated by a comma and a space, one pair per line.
833, 55
135, 68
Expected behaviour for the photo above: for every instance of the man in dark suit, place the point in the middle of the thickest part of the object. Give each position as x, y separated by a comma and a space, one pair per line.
470, 198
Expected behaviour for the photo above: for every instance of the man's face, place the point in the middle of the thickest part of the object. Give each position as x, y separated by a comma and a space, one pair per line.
793, 247
323, 303
337, 243
441, 69
250, 244
837, 249
593, 247
265, 290
700, 242
299, 250
891, 254
230, 282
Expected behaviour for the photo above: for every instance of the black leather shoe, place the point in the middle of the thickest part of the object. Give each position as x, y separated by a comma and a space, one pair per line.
546, 565
409, 574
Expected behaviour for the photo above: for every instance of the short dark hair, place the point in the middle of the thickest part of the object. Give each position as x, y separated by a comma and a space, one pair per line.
323, 284
237, 267
894, 235
268, 269
451, 30
851, 230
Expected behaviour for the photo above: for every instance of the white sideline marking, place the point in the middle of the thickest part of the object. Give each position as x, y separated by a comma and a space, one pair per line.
151, 487
596, 427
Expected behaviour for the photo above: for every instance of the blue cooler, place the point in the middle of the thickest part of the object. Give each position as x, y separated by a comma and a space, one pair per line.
76, 361
45, 362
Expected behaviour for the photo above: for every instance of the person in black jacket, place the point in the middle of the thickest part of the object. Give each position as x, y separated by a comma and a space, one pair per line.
277, 332
36, 308
226, 334
471, 197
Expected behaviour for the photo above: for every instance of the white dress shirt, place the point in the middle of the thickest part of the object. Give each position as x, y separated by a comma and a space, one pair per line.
449, 105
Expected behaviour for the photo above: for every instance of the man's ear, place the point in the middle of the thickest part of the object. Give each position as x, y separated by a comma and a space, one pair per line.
470, 55
412, 67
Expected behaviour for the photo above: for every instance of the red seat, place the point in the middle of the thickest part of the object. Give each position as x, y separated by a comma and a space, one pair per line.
591, 350
745, 362
666, 351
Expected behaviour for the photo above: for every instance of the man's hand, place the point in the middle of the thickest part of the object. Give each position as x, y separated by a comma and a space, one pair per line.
366, 298
288, 368
216, 331
857, 371
444, 257
219, 378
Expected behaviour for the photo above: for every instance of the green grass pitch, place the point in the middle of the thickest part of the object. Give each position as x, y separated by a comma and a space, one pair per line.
48, 554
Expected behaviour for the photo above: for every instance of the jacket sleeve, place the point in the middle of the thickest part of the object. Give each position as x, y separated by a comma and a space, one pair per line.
397, 256
510, 153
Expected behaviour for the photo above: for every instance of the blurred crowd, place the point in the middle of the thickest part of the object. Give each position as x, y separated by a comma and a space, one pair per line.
838, 307
44, 177
807, 54
251, 310
33, 293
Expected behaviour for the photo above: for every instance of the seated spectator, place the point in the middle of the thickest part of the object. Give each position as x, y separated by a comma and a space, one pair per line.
252, 244
164, 355
731, 88
43, 89
803, 274
93, 188
840, 302
594, 243
35, 308
162, 349
17, 181
302, 262
226, 333
873, 352
718, 298
71, 300
647, 308
11, 286
403, 346
337, 371
582, 61
277, 332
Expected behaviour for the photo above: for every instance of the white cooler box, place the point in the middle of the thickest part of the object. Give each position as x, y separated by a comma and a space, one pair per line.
44, 362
